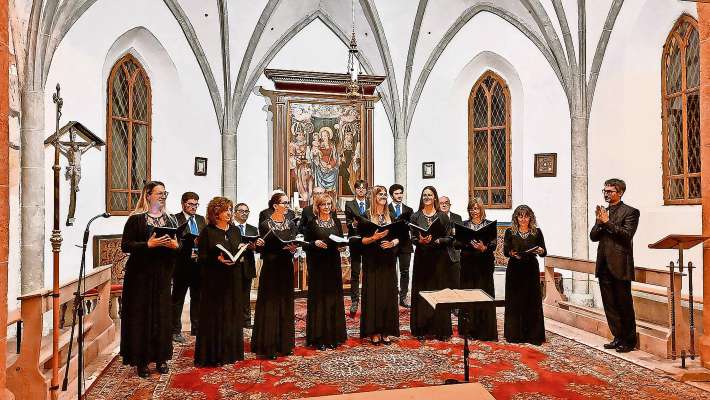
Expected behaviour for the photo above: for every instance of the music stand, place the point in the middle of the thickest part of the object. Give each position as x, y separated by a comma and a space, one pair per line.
461, 299
681, 242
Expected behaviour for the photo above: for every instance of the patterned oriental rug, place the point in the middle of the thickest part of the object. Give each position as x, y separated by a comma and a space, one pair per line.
559, 369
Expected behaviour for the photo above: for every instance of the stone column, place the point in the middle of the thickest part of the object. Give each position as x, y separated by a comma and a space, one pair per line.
32, 194
704, 26
4, 190
400, 160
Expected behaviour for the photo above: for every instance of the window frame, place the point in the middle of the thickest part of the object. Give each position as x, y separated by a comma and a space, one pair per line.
665, 104
140, 70
489, 128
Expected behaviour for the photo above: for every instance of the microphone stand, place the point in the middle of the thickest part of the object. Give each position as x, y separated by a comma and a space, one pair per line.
79, 311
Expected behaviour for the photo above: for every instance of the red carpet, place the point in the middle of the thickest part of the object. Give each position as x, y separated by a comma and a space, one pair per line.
560, 369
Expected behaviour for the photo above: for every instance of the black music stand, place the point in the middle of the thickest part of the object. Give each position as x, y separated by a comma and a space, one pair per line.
460, 299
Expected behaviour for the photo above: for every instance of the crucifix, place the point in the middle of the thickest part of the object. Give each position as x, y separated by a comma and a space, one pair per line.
73, 150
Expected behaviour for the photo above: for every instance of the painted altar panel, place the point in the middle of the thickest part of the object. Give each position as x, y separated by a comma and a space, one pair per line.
325, 148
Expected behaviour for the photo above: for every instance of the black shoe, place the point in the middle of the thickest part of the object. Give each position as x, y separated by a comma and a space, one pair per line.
178, 337
353, 308
320, 347
162, 367
403, 303
442, 338
613, 344
625, 348
271, 356
143, 371
420, 338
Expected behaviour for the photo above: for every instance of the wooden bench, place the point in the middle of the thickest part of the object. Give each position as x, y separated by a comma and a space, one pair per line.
29, 373
654, 335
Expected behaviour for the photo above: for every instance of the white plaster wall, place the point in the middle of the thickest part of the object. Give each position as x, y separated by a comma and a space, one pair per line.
184, 123
540, 124
625, 130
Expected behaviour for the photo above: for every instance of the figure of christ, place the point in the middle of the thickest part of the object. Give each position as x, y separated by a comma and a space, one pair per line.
300, 166
324, 161
349, 158
73, 151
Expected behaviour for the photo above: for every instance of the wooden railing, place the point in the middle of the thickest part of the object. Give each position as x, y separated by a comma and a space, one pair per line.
653, 338
28, 376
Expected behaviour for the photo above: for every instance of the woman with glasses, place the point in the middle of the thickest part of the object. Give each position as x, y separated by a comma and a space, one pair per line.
477, 265
380, 312
325, 321
274, 330
430, 270
523, 243
146, 309
220, 339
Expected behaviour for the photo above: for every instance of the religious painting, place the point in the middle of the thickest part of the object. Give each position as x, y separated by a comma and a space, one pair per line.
324, 148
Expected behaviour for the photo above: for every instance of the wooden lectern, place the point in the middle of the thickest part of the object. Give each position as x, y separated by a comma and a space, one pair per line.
460, 299
681, 242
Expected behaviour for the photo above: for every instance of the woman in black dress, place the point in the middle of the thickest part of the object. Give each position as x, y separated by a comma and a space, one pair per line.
220, 339
325, 321
146, 324
379, 318
477, 264
274, 329
430, 269
524, 321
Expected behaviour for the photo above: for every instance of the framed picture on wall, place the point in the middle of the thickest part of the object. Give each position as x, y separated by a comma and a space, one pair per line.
428, 170
545, 165
200, 166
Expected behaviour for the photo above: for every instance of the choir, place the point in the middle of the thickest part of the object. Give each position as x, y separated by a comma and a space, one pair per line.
223, 248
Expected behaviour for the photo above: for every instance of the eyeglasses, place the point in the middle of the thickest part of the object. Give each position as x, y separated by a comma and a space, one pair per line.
243, 211
445, 203
192, 204
609, 191
285, 203
163, 194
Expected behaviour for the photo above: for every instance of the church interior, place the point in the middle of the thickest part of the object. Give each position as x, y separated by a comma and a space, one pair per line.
497, 104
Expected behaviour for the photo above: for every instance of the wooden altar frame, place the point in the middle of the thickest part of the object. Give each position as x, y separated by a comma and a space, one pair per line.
317, 88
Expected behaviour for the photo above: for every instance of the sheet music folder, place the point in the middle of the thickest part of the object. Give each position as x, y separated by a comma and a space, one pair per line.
455, 298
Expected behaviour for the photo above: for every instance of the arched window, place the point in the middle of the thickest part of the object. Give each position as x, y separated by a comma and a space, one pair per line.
128, 127
489, 141
680, 74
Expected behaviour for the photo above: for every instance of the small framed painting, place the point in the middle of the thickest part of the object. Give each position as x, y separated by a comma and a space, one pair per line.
545, 165
200, 166
428, 170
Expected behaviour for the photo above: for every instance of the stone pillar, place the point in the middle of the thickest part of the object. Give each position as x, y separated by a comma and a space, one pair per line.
229, 164
400, 160
4, 191
704, 26
32, 192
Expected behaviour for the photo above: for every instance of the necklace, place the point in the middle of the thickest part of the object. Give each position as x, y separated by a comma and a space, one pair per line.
328, 223
524, 235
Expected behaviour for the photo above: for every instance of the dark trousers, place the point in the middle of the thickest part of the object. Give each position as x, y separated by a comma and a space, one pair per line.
618, 306
355, 268
404, 260
246, 293
186, 276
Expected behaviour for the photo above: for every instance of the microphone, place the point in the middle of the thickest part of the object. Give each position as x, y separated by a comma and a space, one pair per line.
88, 224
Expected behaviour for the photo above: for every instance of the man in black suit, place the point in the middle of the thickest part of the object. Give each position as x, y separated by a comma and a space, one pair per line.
266, 213
614, 230
405, 249
358, 206
249, 271
454, 254
187, 270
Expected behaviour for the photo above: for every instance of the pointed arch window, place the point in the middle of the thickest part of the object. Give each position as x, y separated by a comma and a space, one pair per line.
680, 82
128, 132
489, 141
